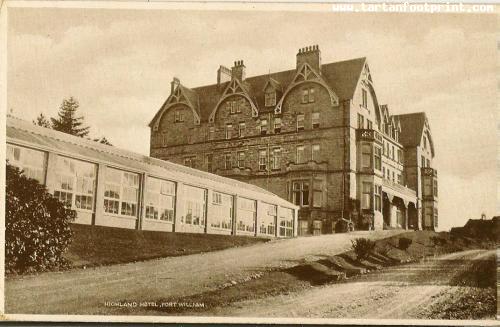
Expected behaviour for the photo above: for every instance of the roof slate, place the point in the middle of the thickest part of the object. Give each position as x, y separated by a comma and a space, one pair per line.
342, 77
412, 127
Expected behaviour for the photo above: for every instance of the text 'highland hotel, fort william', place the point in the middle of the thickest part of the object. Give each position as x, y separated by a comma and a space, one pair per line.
314, 135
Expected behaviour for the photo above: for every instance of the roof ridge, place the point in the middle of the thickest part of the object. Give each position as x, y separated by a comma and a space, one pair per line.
123, 153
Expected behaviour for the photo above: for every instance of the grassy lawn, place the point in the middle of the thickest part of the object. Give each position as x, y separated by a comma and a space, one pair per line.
98, 245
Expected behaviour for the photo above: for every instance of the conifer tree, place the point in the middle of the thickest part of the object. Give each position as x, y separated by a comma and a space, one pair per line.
41, 120
67, 120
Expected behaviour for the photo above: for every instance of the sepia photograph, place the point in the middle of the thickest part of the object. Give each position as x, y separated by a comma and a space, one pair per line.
264, 163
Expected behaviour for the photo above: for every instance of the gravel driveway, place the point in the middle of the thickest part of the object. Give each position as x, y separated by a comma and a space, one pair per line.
84, 291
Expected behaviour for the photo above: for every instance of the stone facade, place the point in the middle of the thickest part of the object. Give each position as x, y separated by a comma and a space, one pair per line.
315, 135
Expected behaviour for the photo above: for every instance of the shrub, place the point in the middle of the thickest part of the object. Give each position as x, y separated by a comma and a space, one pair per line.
363, 247
384, 250
438, 241
37, 225
404, 243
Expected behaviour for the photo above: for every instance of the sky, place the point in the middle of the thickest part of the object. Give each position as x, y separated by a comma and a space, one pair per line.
119, 63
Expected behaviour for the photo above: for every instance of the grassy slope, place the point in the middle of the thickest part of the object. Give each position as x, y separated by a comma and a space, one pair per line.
275, 282
97, 245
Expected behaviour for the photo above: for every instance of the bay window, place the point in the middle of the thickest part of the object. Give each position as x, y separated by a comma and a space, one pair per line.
300, 193
367, 195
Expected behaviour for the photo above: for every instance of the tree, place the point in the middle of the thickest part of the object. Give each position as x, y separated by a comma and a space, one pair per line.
67, 120
37, 230
41, 120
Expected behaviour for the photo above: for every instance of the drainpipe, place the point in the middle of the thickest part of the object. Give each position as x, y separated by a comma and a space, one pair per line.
343, 161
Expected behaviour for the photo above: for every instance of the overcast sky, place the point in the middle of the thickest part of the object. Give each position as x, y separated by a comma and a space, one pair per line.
119, 64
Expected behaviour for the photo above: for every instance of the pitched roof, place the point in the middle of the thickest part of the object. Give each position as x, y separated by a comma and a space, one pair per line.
412, 128
23, 132
342, 77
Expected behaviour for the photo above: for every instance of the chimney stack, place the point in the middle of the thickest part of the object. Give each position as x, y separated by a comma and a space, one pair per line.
310, 55
223, 75
238, 70
175, 82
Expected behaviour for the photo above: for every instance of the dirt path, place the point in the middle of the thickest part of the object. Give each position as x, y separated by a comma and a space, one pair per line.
85, 291
400, 292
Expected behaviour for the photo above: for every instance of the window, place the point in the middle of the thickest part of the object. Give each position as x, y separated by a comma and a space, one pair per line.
300, 192
300, 154
318, 186
268, 221
361, 121
369, 124
121, 192
209, 161
75, 183
315, 154
276, 159
211, 133
286, 222
364, 98
234, 106
366, 156
241, 159
383, 170
227, 161
270, 99
241, 129
308, 95
300, 122
315, 119
425, 142
31, 162
428, 215
222, 211
247, 214
159, 199
277, 125
378, 197
393, 177
263, 127
427, 163
428, 186
194, 206
435, 188
400, 180
400, 156
367, 195
393, 153
189, 162
435, 217
229, 131
262, 160
378, 158
178, 116
422, 161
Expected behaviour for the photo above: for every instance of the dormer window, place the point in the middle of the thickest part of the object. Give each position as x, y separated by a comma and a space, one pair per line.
178, 116
270, 98
308, 95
